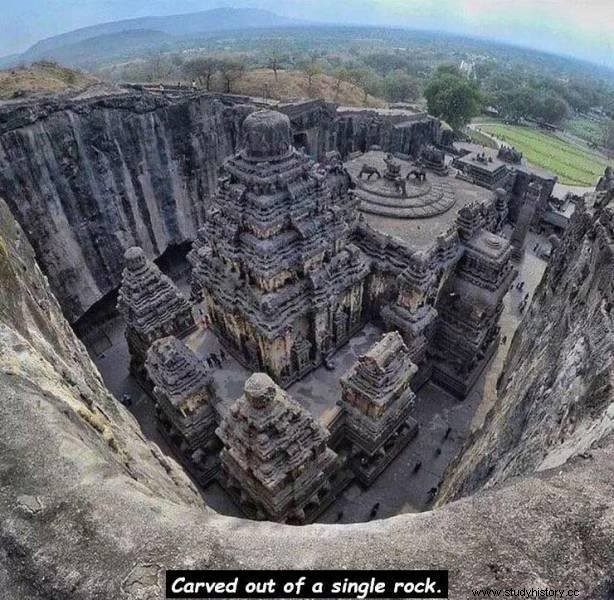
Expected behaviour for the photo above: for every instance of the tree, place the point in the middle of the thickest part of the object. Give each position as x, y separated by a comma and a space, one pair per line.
342, 76
452, 98
310, 67
385, 62
203, 69
400, 87
518, 104
368, 79
553, 109
275, 60
231, 69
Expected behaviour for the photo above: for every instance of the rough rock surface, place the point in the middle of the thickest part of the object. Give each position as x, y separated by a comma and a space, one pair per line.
556, 394
88, 179
90, 510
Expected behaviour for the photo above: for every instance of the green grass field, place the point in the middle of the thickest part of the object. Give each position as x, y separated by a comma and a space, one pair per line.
479, 138
574, 164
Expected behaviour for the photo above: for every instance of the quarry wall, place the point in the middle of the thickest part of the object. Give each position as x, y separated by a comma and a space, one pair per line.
556, 392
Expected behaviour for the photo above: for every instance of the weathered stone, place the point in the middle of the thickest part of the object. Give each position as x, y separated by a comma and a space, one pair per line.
183, 390
561, 518
469, 308
87, 179
152, 306
376, 402
275, 460
281, 281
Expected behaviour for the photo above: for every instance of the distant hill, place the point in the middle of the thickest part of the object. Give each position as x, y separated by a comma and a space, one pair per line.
66, 46
111, 46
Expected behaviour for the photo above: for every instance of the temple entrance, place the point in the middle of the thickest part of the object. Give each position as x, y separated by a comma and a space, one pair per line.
302, 141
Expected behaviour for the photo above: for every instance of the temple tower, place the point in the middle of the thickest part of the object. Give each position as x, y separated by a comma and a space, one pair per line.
376, 402
152, 306
469, 307
282, 284
524, 220
412, 313
275, 462
183, 390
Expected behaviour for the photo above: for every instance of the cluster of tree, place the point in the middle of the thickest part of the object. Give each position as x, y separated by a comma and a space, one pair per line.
529, 103
518, 86
453, 97
519, 94
205, 69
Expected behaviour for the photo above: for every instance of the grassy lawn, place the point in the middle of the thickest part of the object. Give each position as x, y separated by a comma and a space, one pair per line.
479, 138
574, 164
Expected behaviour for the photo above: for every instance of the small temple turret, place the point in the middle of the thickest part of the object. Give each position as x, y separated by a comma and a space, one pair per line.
275, 462
412, 313
377, 401
183, 390
152, 306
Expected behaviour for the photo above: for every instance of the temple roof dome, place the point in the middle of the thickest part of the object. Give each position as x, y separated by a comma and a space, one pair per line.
266, 135
135, 257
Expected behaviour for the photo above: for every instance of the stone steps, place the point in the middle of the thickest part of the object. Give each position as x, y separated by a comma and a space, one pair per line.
432, 205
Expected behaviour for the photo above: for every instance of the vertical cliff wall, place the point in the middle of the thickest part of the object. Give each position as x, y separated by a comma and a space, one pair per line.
87, 179
556, 394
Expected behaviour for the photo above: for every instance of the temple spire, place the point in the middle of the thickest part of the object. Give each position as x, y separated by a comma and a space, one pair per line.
152, 306
275, 461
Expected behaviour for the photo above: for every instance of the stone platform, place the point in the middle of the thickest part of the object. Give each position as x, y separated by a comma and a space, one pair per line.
379, 196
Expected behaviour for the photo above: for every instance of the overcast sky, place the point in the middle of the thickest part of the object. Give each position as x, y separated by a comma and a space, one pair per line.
583, 28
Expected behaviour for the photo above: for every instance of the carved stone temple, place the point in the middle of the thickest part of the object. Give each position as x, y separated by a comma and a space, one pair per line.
376, 402
275, 462
282, 283
469, 306
183, 391
152, 306
293, 261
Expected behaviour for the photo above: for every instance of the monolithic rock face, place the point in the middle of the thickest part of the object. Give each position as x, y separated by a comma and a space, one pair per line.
556, 396
88, 179
90, 510
359, 130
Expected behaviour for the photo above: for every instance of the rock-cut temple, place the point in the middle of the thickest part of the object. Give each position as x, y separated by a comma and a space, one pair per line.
287, 269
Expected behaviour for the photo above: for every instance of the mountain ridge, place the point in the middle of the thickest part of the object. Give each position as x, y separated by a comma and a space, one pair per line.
217, 19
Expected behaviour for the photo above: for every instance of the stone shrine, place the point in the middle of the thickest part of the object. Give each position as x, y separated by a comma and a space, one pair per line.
282, 283
469, 306
183, 390
376, 402
481, 168
275, 461
434, 159
152, 306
